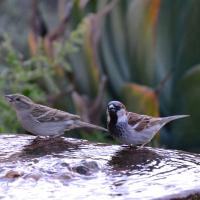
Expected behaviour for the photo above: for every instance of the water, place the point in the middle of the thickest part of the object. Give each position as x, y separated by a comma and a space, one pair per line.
75, 169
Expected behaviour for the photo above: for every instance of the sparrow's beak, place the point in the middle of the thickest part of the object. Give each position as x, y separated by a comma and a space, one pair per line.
111, 108
9, 98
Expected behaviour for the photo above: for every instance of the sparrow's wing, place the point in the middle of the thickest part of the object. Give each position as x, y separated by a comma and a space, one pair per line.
39, 110
141, 122
46, 114
133, 118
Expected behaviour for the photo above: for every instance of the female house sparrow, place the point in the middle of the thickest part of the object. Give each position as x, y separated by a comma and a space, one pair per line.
131, 128
45, 121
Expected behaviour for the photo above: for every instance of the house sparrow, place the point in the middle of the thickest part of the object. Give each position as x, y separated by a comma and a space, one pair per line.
131, 128
45, 121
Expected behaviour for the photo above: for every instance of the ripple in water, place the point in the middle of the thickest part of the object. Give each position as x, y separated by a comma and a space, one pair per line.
76, 169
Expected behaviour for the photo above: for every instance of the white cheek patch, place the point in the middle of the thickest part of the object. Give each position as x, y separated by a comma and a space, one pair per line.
121, 115
122, 119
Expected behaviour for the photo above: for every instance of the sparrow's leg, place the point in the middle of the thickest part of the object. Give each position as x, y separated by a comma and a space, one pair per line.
38, 139
56, 136
142, 146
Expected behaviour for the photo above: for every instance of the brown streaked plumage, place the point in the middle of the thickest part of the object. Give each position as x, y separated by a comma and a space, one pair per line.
45, 114
45, 121
132, 128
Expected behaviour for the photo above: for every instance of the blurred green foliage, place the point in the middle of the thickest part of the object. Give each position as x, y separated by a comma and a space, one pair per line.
35, 77
148, 50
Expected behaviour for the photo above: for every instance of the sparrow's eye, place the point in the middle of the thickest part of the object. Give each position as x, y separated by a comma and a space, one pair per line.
17, 99
117, 107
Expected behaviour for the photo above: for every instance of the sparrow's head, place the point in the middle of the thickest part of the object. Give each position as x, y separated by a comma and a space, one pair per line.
116, 109
19, 101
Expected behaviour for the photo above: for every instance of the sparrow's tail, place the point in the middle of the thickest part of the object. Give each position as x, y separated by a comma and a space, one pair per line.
165, 120
81, 124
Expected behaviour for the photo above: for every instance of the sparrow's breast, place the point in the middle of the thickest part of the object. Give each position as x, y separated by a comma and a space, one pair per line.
117, 130
28, 122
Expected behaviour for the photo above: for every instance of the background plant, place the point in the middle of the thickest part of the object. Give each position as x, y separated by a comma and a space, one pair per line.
148, 51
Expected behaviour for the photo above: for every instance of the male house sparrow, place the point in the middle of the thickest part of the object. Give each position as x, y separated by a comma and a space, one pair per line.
45, 121
131, 128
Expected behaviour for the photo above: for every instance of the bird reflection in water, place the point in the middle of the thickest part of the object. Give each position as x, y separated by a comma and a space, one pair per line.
129, 159
47, 146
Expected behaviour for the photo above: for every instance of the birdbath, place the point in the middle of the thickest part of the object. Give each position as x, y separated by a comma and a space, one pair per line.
65, 168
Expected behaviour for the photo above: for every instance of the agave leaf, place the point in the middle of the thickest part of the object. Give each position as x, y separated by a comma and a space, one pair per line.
177, 44
110, 65
90, 47
140, 99
178, 49
142, 19
187, 133
92, 35
117, 39
107, 55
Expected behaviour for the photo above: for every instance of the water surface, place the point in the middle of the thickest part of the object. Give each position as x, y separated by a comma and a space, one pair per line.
76, 169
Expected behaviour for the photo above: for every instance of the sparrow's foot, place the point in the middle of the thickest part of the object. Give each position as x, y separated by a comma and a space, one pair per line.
38, 138
125, 145
132, 146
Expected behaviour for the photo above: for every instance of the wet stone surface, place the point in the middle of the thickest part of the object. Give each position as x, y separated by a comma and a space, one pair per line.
38, 168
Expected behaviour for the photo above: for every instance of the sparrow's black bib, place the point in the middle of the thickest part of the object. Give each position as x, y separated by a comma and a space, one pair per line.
116, 129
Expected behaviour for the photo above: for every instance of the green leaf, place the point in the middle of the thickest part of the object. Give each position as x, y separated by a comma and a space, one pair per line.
140, 99
187, 132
